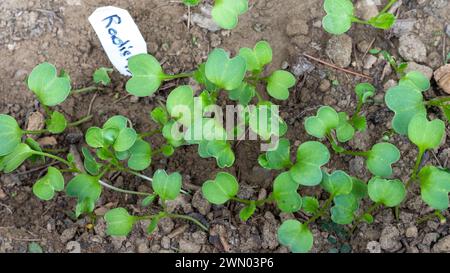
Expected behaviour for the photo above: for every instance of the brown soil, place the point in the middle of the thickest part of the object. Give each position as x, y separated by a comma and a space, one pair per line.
57, 31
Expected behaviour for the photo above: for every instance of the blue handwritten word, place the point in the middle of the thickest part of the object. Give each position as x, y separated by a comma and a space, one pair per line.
123, 46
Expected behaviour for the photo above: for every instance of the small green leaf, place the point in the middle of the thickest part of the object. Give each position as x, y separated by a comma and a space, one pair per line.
380, 159
159, 115
148, 200
87, 189
90, 164
168, 187
426, 134
34, 247
125, 140
191, 2
180, 104
222, 152
343, 211
360, 123
359, 189
225, 12
279, 158
435, 186
265, 121
285, 193
101, 76
119, 222
147, 75
221, 189
344, 130
278, 84
45, 187
57, 123
247, 211
383, 20
320, 125
153, 225
257, 57
167, 150
310, 205
338, 183
311, 156
415, 80
10, 134
296, 236
243, 94
224, 72
387, 192
94, 137
406, 102
446, 110
339, 16
368, 218
140, 155
17, 156
364, 91
50, 89
200, 77
34, 145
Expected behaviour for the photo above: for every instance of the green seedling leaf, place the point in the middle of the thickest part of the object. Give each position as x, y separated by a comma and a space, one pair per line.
343, 211
311, 156
101, 76
296, 236
10, 134
382, 21
167, 150
360, 123
191, 2
140, 155
167, 187
57, 123
387, 192
224, 72
119, 222
220, 190
247, 211
406, 102
435, 186
344, 130
222, 152
368, 218
364, 91
277, 159
148, 200
339, 16
310, 205
17, 156
380, 159
278, 84
416, 80
147, 75
125, 140
174, 138
338, 183
50, 89
34, 247
258, 57
426, 134
34, 145
200, 77
285, 193
266, 122
243, 94
180, 104
359, 189
87, 190
122, 155
446, 110
45, 187
326, 120
226, 12
94, 137
159, 115
116, 122
90, 164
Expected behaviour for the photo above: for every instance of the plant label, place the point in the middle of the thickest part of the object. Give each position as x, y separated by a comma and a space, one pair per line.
119, 36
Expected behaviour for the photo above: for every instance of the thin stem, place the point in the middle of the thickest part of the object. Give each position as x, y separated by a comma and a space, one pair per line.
178, 76
149, 134
369, 211
84, 90
80, 121
321, 211
60, 159
359, 21
438, 101
415, 169
106, 185
185, 217
355, 153
388, 6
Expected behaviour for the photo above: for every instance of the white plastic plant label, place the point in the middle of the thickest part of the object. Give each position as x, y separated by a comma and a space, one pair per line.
119, 36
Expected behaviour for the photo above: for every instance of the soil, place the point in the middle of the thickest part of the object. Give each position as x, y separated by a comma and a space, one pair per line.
58, 32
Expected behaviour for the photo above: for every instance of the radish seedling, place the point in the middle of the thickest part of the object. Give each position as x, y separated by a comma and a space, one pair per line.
340, 16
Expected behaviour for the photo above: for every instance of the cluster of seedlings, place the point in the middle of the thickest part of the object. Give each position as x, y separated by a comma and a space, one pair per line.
118, 147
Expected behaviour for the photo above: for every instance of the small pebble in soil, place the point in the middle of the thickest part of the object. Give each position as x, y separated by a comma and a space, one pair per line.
411, 48
411, 232
425, 70
442, 246
302, 66
390, 239
200, 203
339, 50
189, 247
68, 234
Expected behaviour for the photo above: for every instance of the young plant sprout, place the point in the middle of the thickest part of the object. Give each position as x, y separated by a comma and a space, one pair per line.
340, 16
225, 12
